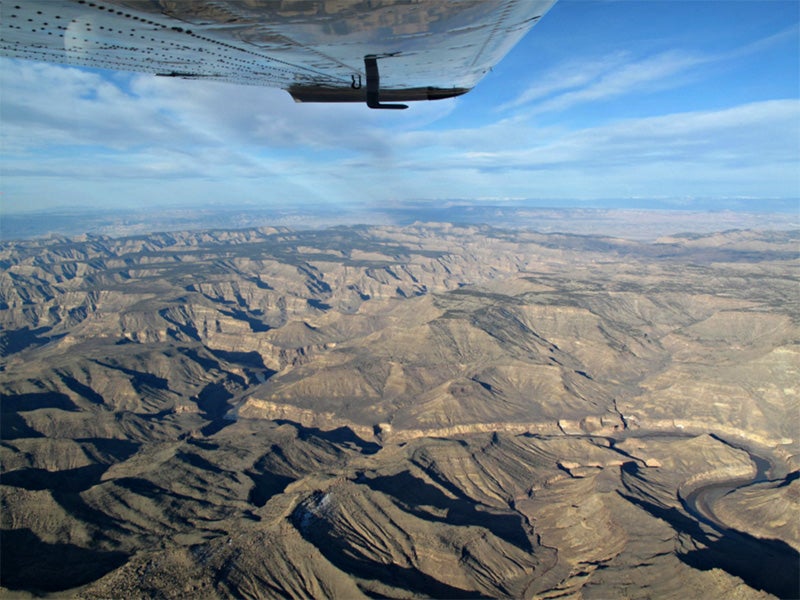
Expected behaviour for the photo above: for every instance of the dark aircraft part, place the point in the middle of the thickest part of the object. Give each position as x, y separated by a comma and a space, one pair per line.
321, 93
374, 84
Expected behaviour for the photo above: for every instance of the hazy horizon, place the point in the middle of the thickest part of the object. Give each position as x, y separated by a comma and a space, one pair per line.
625, 221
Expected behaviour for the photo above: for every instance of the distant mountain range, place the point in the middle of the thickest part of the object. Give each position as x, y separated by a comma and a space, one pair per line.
631, 223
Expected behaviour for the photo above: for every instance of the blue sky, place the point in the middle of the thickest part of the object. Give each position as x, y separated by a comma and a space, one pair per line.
687, 104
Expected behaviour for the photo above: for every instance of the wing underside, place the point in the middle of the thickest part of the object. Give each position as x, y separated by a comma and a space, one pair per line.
318, 50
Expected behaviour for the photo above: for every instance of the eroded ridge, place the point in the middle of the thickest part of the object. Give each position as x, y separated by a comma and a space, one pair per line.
399, 412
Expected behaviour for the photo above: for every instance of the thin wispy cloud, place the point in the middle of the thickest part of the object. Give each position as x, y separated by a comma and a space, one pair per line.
161, 133
83, 136
568, 77
611, 77
756, 134
617, 74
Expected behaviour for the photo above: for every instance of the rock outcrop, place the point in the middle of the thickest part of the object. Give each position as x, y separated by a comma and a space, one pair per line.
398, 412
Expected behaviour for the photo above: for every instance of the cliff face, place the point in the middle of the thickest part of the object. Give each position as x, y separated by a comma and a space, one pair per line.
429, 410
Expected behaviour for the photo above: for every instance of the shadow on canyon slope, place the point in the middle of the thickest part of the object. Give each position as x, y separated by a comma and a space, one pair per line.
413, 493
35, 401
36, 566
321, 532
341, 436
765, 564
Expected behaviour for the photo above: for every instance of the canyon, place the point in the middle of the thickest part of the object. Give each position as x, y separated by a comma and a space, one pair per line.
429, 410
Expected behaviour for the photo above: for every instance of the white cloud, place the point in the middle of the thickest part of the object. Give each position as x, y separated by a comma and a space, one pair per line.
758, 132
71, 135
588, 79
612, 76
50, 105
568, 76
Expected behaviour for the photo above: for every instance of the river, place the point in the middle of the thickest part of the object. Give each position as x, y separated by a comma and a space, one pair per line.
770, 565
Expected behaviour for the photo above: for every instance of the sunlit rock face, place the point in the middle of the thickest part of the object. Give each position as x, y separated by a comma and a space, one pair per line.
428, 411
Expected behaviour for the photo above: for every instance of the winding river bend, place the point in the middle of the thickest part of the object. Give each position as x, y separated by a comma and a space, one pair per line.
700, 501
766, 564
770, 565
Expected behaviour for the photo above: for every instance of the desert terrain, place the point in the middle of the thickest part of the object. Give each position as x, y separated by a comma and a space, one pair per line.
412, 411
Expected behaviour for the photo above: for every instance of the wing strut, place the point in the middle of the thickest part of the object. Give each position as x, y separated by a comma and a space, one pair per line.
374, 84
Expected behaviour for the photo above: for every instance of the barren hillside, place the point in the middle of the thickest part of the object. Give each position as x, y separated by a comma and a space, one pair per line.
427, 411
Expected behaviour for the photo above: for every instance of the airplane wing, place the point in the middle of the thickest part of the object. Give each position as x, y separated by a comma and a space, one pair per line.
318, 50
